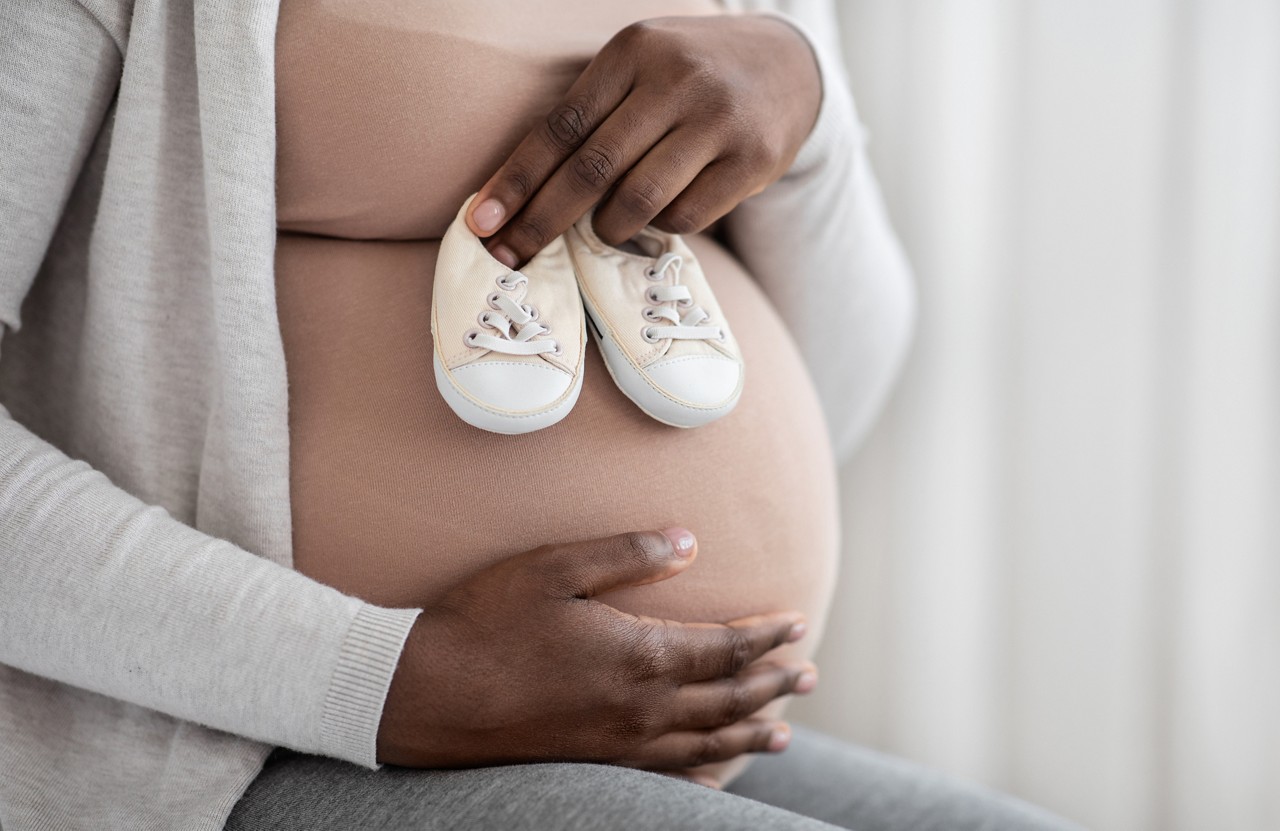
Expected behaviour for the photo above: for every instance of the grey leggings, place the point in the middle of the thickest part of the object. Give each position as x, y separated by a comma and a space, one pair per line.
818, 784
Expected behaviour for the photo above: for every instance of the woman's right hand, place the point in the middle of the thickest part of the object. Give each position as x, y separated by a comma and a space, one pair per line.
520, 664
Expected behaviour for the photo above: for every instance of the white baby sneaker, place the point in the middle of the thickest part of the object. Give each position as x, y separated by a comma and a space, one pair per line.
509, 345
662, 334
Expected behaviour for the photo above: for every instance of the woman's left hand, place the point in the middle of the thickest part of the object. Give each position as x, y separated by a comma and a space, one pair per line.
673, 123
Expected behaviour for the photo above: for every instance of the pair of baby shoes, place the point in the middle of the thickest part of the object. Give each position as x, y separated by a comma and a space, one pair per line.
510, 346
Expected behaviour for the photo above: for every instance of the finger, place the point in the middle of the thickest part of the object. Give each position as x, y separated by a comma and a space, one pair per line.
694, 748
717, 190
590, 171
600, 88
652, 184
717, 703
586, 569
711, 651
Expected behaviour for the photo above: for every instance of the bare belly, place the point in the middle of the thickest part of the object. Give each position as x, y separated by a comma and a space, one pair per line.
395, 499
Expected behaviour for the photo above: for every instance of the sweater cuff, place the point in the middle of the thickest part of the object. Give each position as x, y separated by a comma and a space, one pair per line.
361, 679
837, 123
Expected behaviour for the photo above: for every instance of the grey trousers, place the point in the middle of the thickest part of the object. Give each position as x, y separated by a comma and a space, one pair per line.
818, 784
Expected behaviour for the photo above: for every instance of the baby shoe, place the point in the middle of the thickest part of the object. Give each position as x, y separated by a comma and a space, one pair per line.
509, 345
662, 334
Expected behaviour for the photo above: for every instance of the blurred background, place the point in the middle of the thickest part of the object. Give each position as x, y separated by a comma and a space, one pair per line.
1062, 543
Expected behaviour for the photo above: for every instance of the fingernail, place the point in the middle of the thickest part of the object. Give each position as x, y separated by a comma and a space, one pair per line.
504, 255
488, 215
779, 738
681, 540
797, 632
806, 681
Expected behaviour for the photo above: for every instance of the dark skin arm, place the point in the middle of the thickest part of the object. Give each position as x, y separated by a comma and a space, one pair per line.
673, 123
519, 664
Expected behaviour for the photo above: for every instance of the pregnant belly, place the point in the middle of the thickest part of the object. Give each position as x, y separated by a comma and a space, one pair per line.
395, 499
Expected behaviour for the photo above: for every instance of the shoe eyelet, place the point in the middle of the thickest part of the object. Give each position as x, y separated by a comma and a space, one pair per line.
483, 320
652, 275
559, 350
647, 334
684, 304
722, 336
469, 337
652, 296
531, 310
493, 300
503, 284
650, 313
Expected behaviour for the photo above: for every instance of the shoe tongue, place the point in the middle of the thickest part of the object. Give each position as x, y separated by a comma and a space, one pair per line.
653, 247
686, 348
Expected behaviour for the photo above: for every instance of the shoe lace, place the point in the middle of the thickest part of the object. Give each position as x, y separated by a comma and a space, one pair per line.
694, 324
510, 326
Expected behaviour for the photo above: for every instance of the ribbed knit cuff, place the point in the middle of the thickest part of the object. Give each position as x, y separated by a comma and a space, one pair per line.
358, 691
837, 120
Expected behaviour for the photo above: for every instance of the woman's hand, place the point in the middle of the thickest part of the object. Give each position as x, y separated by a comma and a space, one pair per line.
673, 123
519, 664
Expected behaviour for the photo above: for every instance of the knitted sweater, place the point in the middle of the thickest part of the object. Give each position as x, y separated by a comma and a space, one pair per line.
155, 642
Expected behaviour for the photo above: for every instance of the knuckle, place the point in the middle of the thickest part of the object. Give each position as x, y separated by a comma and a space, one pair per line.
642, 722
529, 234
618, 698
520, 183
566, 126
758, 152
683, 219
626, 729
594, 167
636, 34
696, 67
640, 199
709, 748
642, 548
762, 737
738, 654
626, 733
717, 101
738, 704
632, 724
651, 654
556, 578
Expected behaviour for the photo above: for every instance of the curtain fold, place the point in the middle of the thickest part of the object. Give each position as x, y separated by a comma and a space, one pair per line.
1062, 565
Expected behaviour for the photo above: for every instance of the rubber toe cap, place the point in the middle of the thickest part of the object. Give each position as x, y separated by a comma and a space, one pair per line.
511, 386
700, 380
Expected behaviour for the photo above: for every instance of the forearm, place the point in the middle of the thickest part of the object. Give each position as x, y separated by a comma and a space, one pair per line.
106, 593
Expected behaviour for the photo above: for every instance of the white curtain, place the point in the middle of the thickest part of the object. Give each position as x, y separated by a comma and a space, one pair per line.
1062, 556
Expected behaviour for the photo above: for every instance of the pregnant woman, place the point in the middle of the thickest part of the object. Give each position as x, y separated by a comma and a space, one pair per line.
237, 515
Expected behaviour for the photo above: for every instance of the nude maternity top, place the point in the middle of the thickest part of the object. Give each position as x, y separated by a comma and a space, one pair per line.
390, 114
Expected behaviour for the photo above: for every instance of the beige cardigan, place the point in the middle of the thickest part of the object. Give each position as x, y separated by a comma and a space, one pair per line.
154, 640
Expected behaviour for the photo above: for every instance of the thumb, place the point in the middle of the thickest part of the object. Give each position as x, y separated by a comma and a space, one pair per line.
592, 567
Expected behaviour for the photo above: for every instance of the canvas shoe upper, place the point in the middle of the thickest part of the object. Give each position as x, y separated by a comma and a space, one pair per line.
509, 345
661, 332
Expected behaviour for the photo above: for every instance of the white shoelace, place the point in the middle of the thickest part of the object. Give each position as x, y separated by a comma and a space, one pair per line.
693, 324
516, 324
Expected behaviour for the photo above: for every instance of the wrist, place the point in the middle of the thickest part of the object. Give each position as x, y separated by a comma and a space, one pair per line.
804, 69
394, 728
836, 126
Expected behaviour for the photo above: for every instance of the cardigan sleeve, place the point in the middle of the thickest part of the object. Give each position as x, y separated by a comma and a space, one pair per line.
820, 244
97, 589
